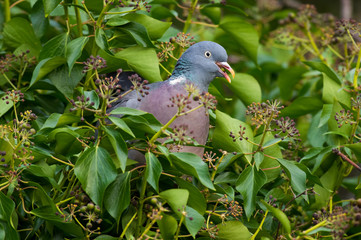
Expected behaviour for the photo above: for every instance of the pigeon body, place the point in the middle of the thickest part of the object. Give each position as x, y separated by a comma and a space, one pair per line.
199, 65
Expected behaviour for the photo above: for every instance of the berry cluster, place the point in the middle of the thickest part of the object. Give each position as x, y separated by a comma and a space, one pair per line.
166, 49
94, 63
183, 40
263, 113
208, 101
344, 117
180, 136
182, 102
139, 85
13, 96
285, 127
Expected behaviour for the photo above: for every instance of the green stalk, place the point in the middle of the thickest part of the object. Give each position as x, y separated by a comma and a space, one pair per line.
127, 226
260, 226
179, 226
78, 19
357, 70
190, 14
318, 225
264, 132
7, 10
314, 46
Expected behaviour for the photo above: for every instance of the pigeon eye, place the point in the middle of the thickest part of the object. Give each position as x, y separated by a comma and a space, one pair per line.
207, 54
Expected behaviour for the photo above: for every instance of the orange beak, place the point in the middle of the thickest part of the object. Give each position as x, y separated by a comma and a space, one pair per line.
225, 66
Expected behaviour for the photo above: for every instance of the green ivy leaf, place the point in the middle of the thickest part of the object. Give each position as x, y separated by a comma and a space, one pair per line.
48, 213
17, 32
192, 164
119, 146
122, 125
54, 47
64, 81
248, 184
74, 50
333, 90
95, 170
302, 106
4, 106
324, 69
176, 198
45, 67
193, 221
155, 28
246, 88
295, 174
281, 216
147, 65
226, 124
153, 170
168, 226
7, 207
244, 35
196, 199
288, 78
233, 230
50, 5
118, 195
102, 40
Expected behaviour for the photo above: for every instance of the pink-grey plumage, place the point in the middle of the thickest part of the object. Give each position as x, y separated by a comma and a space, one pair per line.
199, 65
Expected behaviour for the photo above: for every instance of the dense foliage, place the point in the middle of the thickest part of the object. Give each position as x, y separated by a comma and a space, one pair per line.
284, 138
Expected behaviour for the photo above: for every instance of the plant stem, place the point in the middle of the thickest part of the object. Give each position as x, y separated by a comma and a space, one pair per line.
127, 226
7, 10
357, 70
318, 225
8, 80
179, 226
264, 132
190, 14
314, 46
78, 19
260, 226
152, 140
148, 228
59, 160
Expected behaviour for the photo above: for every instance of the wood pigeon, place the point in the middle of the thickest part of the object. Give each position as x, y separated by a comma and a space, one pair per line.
198, 65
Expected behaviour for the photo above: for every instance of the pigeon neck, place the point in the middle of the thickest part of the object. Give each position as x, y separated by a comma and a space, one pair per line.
185, 72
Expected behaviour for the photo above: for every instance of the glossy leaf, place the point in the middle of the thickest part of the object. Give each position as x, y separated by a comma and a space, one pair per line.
192, 164
168, 226
246, 88
122, 125
248, 184
95, 171
18, 32
64, 82
295, 174
281, 216
226, 124
176, 198
193, 221
50, 5
287, 80
332, 90
244, 35
324, 69
147, 66
155, 28
7, 207
118, 195
74, 50
196, 199
54, 47
153, 170
45, 67
119, 146
233, 230
302, 106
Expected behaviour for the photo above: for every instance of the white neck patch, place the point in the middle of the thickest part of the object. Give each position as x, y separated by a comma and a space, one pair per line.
177, 80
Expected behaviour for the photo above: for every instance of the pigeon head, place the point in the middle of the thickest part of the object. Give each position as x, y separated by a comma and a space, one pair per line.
202, 62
